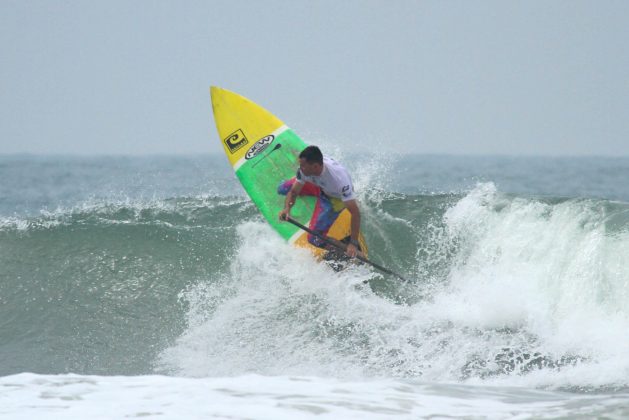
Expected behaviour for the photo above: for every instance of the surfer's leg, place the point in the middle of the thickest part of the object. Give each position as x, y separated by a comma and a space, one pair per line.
324, 214
308, 188
323, 217
285, 186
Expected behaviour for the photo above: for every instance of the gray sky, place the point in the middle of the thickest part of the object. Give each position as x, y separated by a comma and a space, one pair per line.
484, 77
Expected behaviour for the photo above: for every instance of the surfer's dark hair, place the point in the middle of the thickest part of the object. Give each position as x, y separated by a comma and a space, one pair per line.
312, 154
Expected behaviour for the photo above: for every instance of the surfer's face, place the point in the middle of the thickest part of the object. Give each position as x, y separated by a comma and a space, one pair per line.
310, 169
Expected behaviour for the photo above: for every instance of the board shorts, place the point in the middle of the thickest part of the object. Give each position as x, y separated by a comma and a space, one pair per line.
326, 211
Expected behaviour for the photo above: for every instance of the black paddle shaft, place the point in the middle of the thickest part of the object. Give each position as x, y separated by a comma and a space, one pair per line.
338, 245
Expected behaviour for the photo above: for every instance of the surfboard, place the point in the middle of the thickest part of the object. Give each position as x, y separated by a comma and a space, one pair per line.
263, 152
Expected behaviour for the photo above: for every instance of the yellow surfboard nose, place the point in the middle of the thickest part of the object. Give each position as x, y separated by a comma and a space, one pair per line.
237, 132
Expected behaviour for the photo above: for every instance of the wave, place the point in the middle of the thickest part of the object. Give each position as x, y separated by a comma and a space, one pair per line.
504, 290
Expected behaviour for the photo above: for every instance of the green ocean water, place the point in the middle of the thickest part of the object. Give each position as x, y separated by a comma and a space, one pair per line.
126, 266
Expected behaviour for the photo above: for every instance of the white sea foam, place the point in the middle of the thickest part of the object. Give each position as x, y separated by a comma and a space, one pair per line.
550, 273
28, 396
533, 297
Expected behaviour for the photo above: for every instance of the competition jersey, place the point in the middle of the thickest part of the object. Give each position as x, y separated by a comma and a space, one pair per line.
334, 180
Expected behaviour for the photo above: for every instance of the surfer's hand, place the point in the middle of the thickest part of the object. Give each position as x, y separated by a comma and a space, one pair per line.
351, 251
284, 214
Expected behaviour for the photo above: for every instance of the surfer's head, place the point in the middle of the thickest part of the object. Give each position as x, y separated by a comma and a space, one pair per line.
311, 161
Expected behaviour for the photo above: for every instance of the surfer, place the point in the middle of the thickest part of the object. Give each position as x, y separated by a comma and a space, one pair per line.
330, 182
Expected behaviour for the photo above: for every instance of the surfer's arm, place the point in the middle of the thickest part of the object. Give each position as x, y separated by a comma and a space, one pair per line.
291, 196
352, 207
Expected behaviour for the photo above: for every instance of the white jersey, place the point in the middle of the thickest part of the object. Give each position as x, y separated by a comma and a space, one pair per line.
334, 180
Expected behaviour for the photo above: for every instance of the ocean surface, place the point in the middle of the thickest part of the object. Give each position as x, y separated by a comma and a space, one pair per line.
151, 287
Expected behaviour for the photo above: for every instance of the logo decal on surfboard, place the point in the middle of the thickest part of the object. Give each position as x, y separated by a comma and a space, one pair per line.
236, 141
259, 146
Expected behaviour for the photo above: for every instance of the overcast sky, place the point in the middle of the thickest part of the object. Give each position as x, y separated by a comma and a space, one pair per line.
464, 77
